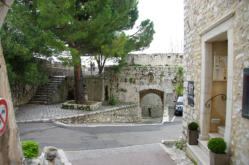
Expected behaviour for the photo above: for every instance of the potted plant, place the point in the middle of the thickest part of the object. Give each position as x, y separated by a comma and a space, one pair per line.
217, 147
193, 133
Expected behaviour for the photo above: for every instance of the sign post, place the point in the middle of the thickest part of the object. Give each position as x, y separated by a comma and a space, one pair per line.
191, 93
3, 115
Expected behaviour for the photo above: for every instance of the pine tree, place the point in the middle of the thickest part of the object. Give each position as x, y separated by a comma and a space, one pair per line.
85, 26
23, 39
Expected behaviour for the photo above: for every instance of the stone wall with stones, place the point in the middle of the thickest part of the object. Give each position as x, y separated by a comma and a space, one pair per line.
94, 86
121, 114
22, 94
163, 59
127, 84
198, 16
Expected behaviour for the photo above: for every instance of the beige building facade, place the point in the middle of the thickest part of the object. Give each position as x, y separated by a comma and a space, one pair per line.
216, 53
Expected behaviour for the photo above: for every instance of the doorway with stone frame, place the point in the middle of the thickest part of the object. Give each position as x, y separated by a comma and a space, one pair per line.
216, 80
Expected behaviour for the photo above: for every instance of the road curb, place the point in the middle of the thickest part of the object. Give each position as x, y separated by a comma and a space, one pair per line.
60, 124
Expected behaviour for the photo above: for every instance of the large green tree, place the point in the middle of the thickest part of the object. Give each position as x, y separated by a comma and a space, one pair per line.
23, 39
122, 44
85, 26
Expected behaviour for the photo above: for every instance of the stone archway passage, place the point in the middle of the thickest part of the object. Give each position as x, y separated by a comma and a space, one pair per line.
151, 91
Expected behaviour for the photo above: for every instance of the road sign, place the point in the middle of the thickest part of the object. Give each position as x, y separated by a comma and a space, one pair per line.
3, 115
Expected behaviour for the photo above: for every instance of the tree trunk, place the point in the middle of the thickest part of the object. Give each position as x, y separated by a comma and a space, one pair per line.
78, 79
101, 64
10, 147
100, 69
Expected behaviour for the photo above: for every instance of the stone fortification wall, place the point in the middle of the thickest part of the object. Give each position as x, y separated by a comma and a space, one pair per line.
133, 79
155, 59
22, 94
200, 15
94, 85
121, 114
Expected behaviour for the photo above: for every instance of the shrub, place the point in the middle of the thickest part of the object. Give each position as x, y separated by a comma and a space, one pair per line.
113, 100
193, 126
217, 145
30, 149
180, 144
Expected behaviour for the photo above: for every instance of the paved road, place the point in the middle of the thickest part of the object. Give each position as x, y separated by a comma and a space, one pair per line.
89, 138
149, 154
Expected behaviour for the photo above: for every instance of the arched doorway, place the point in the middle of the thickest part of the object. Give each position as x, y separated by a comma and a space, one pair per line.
152, 103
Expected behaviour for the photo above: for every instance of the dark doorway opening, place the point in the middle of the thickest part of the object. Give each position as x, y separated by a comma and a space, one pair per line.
70, 95
106, 93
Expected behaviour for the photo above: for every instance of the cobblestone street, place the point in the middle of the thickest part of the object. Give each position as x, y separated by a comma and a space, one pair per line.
41, 113
34, 112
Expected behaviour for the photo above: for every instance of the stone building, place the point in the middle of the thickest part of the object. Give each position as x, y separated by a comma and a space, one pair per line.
216, 53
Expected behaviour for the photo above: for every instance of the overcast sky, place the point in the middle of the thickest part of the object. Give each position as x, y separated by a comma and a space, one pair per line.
167, 16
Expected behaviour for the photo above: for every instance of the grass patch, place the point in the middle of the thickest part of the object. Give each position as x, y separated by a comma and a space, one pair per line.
192, 160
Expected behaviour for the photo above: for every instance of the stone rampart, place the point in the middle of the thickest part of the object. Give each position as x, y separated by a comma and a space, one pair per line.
128, 84
163, 59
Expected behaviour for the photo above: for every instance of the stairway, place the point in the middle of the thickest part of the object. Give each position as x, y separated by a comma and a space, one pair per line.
45, 92
200, 152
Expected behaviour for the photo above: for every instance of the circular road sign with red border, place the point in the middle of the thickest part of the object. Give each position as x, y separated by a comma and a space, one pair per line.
3, 115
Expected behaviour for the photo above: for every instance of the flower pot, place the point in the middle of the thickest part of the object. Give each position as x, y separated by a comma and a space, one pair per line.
33, 161
193, 137
219, 159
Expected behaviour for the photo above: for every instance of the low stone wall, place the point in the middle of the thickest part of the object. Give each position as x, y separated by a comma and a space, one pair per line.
122, 114
22, 94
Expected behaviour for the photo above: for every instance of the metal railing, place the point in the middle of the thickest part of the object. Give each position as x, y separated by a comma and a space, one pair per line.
208, 102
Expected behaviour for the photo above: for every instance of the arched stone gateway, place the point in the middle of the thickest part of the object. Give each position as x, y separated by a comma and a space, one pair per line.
149, 111
134, 82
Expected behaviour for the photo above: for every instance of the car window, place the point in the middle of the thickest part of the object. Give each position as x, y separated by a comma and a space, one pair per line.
180, 99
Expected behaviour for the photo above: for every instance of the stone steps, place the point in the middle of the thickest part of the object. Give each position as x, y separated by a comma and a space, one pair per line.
196, 153
200, 152
45, 92
38, 102
203, 145
221, 130
215, 135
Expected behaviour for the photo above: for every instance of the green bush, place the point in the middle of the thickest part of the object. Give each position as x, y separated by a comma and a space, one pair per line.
193, 126
217, 145
30, 149
181, 144
113, 100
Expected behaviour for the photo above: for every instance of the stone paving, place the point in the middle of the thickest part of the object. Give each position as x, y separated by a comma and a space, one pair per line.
32, 112
44, 113
178, 156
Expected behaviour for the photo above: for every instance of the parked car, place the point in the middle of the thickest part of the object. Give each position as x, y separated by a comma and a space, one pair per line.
179, 106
